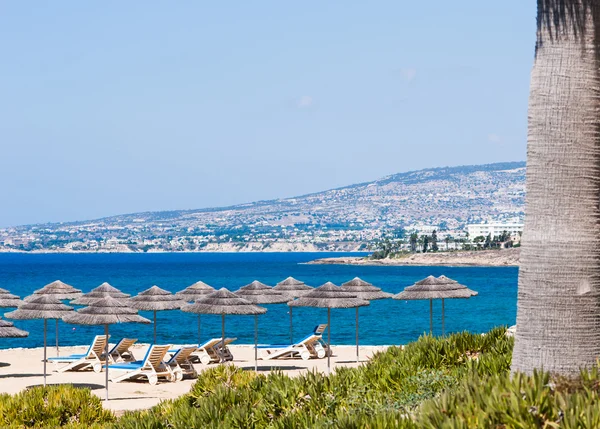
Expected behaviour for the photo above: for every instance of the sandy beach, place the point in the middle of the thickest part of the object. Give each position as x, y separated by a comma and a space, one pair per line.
482, 258
21, 368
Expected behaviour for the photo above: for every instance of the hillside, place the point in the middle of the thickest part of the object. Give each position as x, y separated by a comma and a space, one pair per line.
338, 219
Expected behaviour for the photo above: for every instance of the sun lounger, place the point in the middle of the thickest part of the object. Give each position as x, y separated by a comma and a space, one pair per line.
310, 347
223, 351
120, 351
89, 359
212, 351
152, 367
180, 364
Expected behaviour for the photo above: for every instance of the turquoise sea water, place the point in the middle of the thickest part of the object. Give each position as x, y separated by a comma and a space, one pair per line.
383, 322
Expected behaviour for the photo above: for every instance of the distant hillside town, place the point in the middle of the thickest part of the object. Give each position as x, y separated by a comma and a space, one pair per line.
461, 204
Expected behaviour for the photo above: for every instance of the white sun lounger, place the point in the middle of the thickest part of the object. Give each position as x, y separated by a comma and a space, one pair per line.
213, 351
151, 367
180, 364
120, 351
89, 359
310, 347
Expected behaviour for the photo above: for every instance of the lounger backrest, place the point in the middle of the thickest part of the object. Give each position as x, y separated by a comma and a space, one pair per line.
155, 356
182, 355
210, 343
98, 345
123, 345
228, 341
319, 329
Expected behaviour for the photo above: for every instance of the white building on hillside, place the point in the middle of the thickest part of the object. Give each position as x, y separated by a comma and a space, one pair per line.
493, 229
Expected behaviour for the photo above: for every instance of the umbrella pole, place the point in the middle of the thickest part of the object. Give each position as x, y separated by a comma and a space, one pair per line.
256, 342
291, 325
199, 342
45, 329
222, 334
431, 317
328, 340
155, 327
57, 352
106, 360
443, 327
357, 355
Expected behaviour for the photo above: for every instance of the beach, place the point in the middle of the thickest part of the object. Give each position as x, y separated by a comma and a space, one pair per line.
486, 258
21, 368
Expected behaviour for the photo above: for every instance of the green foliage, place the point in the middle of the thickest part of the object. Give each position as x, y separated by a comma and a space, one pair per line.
53, 406
460, 381
383, 393
500, 400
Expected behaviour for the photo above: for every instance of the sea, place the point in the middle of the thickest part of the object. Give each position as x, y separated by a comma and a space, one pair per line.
383, 322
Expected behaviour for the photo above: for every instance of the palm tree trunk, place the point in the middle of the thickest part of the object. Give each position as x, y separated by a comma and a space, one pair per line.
558, 314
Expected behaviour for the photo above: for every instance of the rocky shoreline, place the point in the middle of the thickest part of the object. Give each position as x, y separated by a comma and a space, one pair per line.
482, 258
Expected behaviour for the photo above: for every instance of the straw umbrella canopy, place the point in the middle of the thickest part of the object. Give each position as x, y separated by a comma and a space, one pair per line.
224, 302
40, 307
7, 330
59, 290
155, 299
363, 290
329, 296
8, 300
435, 288
259, 293
105, 289
194, 292
295, 289
105, 311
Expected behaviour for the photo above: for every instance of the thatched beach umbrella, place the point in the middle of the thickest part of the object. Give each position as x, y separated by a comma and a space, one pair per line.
7, 330
224, 302
59, 290
363, 290
8, 300
105, 289
329, 296
435, 288
40, 307
259, 293
295, 289
192, 293
105, 311
155, 299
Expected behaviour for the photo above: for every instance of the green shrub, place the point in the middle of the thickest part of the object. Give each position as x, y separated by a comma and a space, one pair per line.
498, 401
383, 393
53, 406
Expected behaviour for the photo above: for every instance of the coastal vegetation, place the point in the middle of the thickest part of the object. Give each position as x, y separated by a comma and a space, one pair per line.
459, 381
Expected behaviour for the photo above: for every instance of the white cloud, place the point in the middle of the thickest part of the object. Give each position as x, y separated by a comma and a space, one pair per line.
494, 138
305, 102
408, 74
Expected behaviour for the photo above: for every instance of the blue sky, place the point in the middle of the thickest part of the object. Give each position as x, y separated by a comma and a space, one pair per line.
116, 107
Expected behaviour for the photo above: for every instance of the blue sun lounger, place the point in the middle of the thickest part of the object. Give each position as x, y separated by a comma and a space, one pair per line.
151, 367
91, 358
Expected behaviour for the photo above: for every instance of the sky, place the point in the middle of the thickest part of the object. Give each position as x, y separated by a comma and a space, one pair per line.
117, 107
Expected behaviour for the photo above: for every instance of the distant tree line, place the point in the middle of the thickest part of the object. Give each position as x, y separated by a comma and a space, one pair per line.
398, 242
